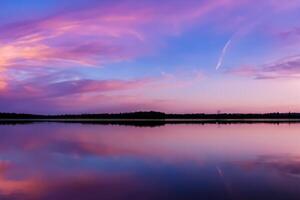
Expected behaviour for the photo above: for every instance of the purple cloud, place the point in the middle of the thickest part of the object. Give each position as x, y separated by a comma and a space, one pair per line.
285, 68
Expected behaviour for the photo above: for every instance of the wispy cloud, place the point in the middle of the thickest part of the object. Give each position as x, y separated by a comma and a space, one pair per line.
288, 67
38, 56
97, 35
223, 53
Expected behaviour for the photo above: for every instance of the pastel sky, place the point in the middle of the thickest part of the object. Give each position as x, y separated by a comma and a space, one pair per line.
78, 56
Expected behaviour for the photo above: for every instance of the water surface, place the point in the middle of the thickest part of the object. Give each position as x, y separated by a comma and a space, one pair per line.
57, 161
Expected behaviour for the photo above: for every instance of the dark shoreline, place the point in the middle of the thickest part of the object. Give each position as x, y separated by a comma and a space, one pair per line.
152, 118
152, 115
149, 122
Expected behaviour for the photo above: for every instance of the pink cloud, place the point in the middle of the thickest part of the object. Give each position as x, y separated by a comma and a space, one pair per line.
43, 94
64, 88
288, 67
290, 33
112, 33
98, 35
103, 34
289, 37
284, 6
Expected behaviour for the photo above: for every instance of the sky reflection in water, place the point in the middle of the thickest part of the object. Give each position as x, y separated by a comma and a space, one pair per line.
75, 161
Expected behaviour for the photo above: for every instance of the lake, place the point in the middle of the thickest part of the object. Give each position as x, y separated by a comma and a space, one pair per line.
72, 161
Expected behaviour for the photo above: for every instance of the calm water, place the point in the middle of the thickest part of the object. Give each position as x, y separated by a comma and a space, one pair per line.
86, 162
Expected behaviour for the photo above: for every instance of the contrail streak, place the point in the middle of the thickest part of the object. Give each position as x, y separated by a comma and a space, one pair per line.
224, 50
220, 172
226, 185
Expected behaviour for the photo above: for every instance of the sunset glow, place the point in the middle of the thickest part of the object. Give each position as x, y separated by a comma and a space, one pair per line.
172, 56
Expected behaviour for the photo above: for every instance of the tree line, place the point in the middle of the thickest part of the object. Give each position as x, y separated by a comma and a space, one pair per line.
154, 115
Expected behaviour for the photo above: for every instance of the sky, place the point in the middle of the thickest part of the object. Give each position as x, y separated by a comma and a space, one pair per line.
175, 56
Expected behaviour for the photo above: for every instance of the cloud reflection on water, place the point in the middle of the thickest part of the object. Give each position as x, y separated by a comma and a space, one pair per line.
75, 161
